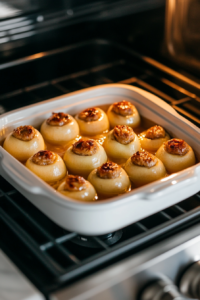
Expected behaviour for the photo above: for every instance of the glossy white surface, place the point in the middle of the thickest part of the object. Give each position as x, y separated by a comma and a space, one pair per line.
95, 218
13, 284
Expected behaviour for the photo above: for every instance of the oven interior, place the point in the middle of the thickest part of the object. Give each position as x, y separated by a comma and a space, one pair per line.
96, 52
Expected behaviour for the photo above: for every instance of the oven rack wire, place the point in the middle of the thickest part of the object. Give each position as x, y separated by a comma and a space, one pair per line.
47, 244
45, 252
121, 65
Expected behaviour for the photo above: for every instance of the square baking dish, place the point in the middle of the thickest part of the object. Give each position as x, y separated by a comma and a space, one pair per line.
109, 215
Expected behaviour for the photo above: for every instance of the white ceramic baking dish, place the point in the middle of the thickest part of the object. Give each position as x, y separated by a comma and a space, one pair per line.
108, 215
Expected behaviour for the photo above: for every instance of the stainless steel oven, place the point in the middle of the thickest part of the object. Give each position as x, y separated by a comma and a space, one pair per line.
50, 49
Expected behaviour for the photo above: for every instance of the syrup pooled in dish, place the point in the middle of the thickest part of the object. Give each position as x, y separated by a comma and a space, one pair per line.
23, 142
123, 113
121, 143
144, 167
59, 129
92, 121
109, 179
47, 165
76, 187
153, 138
176, 155
84, 156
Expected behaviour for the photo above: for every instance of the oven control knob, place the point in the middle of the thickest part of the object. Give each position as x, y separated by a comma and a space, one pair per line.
161, 290
190, 281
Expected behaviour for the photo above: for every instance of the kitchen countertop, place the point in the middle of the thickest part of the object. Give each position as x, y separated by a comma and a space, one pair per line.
13, 284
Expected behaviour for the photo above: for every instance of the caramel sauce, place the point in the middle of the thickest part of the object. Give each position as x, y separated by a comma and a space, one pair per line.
60, 150
55, 184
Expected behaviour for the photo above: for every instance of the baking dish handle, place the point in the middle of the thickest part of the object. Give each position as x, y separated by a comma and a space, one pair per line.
173, 184
28, 182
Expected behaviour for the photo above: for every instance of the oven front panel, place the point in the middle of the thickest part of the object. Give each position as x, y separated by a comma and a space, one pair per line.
128, 280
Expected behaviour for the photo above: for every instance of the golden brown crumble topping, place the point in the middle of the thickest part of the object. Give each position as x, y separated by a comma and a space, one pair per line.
155, 132
176, 146
90, 114
144, 159
85, 147
58, 119
123, 108
109, 170
25, 133
44, 158
123, 134
75, 183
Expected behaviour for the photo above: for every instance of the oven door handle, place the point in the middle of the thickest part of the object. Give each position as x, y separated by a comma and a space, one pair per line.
28, 182
173, 184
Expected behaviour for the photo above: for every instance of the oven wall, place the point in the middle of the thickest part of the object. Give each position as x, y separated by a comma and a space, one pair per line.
28, 27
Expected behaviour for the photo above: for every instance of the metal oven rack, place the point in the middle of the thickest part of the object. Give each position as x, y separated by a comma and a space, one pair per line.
46, 253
